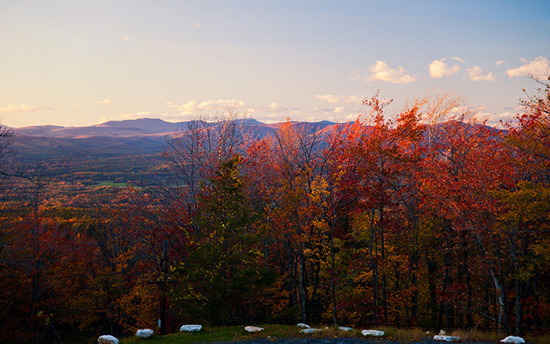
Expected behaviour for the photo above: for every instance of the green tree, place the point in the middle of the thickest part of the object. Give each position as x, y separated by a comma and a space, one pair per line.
223, 270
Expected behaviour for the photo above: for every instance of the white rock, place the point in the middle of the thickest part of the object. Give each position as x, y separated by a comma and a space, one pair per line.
513, 339
302, 325
253, 329
190, 328
145, 333
446, 338
343, 328
442, 332
107, 339
311, 330
375, 333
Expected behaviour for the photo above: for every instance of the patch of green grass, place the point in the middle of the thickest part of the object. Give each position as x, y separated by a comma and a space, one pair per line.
476, 335
407, 335
109, 183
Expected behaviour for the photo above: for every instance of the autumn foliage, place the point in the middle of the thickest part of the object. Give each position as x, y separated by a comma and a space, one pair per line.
424, 218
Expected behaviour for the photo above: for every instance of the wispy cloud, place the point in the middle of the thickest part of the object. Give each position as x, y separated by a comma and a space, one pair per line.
333, 99
106, 101
382, 72
494, 119
125, 38
275, 108
329, 98
539, 68
210, 105
197, 25
124, 116
22, 108
440, 69
499, 62
476, 74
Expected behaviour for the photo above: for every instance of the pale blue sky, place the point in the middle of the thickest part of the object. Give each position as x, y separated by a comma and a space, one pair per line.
83, 62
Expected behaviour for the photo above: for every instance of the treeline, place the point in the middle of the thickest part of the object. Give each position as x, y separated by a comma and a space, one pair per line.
430, 219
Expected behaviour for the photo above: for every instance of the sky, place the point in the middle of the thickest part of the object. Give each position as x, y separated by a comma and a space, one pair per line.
77, 63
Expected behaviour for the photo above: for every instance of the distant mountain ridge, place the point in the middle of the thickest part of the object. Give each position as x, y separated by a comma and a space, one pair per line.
125, 137
143, 127
136, 127
133, 137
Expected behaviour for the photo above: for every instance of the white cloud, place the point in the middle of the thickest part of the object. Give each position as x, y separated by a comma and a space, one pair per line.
125, 38
539, 68
352, 99
329, 98
333, 99
23, 108
476, 74
339, 109
197, 25
274, 108
439, 69
499, 62
125, 116
210, 105
381, 71
494, 119
458, 59
105, 101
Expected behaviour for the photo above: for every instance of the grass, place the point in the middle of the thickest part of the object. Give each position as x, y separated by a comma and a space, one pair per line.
273, 332
109, 183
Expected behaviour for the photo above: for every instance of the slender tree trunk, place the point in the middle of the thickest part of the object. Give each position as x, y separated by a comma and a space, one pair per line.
374, 266
519, 310
301, 289
333, 274
383, 258
501, 303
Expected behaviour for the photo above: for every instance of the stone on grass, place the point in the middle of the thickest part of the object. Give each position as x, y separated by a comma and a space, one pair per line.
375, 333
107, 339
446, 338
252, 329
190, 328
145, 333
311, 330
344, 328
513, 339
302, 325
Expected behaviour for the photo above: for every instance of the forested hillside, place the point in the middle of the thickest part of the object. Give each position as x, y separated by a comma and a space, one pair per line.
424, 218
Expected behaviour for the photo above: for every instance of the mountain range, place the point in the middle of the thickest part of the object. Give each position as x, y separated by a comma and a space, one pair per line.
145, 127
123, 138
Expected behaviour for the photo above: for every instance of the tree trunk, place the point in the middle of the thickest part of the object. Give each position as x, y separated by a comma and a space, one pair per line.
301, 290
501, 302
519, 310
